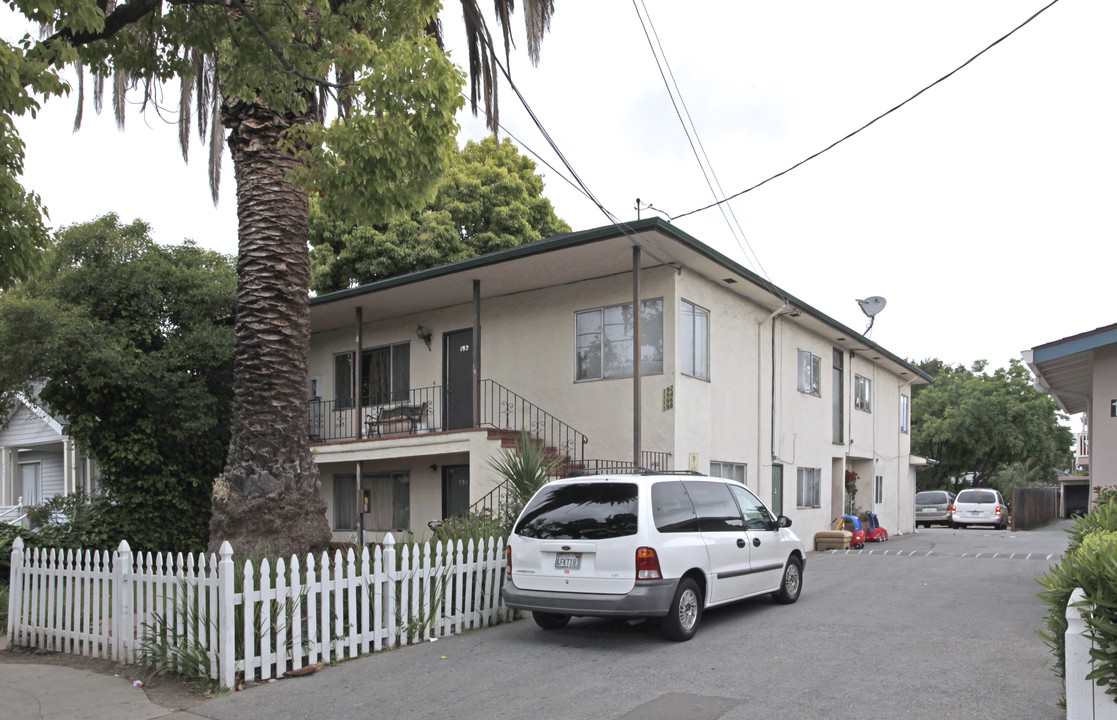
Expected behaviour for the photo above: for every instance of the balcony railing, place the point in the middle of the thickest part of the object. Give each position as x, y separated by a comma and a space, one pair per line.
444, 407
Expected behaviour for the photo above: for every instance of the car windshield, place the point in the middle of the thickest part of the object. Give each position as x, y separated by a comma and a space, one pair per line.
981, 497
931, 498
581, 510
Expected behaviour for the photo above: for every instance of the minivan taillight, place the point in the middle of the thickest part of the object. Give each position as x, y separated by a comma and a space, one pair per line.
647, 564
951, 509
508, 560
998, 509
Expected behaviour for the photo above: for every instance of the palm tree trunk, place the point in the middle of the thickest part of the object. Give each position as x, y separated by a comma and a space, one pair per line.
269, 500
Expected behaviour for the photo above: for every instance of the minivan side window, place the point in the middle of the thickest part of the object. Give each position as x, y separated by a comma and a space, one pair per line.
756, 515
581, 510
717, 511
672, 509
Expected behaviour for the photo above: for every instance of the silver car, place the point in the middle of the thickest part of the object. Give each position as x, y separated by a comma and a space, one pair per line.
933, 506
979, 506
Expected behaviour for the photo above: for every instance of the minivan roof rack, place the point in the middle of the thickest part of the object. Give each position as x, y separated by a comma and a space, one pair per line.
629, 470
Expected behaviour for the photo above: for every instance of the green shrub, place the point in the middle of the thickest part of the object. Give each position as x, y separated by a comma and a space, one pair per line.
1090, 563
8, 535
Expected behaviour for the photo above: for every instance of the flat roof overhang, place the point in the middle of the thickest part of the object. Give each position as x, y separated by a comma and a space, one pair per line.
576, 257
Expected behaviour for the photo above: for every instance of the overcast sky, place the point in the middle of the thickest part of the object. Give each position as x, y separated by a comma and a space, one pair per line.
983, 211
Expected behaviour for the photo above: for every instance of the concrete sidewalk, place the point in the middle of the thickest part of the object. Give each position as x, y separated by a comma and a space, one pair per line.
30, 691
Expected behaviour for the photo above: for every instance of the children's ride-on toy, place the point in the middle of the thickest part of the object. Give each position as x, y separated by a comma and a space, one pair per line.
852, 524
873, 531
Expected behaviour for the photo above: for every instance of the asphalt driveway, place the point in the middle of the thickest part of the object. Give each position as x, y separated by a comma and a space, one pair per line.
937, 624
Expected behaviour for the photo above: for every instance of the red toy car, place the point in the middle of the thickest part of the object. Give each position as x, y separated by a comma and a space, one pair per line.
873, 531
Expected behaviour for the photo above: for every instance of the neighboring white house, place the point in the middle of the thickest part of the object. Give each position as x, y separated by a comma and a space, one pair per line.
38, 460
739, 379
1080, 372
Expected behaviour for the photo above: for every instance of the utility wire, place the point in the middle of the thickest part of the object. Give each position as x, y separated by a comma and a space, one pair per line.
691, 131
874, 120
621, 226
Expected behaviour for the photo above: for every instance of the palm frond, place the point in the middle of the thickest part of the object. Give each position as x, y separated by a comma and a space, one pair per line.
81, 95
216, 140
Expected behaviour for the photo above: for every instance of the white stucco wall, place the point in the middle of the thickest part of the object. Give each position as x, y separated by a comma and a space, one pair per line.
1103, 426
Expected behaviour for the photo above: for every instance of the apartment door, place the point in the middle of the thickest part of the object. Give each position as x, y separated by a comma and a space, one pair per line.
457, 351
777, 489
455, 490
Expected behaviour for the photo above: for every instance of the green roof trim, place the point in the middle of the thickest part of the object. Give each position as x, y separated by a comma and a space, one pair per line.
585, 237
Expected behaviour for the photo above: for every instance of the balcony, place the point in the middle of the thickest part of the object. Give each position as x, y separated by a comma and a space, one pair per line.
442, 408
1082, 452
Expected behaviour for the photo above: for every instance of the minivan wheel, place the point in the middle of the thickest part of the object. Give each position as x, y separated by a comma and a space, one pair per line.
686, 612
550, 621
792, 583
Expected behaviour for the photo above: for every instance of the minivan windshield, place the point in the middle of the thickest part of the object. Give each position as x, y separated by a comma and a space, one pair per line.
575, 511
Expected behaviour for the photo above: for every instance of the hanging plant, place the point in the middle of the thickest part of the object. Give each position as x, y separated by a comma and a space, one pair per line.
851, 482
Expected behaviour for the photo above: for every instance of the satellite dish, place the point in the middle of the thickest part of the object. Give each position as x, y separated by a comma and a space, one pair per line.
872, 305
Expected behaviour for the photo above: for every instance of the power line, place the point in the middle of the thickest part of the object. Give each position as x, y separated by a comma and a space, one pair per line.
874, 120
691, 132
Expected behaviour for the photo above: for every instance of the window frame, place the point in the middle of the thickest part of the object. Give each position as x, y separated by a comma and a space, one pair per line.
905, 414
811, 383
808, 482
878, 489
862, 393
688, 356
717, 468
652, 367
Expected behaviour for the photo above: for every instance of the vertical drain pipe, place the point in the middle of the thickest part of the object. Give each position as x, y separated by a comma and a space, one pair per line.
636, 368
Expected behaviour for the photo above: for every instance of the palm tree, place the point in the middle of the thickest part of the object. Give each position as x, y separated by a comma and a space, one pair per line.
259, 69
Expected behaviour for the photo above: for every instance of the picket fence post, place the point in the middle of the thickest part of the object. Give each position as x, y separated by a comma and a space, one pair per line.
15, 596
226, 613
123, 630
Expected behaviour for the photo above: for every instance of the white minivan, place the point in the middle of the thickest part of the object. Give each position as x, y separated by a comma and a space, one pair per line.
657, 546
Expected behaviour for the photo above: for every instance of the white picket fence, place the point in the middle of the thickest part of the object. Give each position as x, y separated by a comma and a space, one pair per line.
1085, 699
273, 620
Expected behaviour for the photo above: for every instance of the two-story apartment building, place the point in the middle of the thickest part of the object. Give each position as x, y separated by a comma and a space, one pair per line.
412, 376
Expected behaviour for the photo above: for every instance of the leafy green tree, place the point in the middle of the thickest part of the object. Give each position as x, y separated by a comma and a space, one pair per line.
490, 199
978, 425
262, 72
131, 343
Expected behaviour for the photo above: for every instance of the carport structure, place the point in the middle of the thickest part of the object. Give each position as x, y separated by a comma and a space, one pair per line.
1080, 372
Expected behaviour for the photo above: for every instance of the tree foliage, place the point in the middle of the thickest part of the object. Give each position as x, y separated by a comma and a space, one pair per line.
264, 71
131, 343
980, 426
490, 199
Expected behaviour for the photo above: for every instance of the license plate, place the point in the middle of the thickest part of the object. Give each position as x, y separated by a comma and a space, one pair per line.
930, 509
568, 561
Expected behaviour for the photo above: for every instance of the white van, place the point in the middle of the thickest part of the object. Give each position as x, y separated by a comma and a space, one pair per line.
647, 546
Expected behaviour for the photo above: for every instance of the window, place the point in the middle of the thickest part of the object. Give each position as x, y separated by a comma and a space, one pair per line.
694, 342
905, 414
595, 511
756, 515
30, 483
345, 502
391, 502
878, 489
862, 393
604, 341
809, 488
729, 471
385, 376
716, 508
810, 367
343, 381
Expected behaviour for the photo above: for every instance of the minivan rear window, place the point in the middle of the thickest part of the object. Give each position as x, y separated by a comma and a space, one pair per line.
981, 497
932, 497
581, 510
